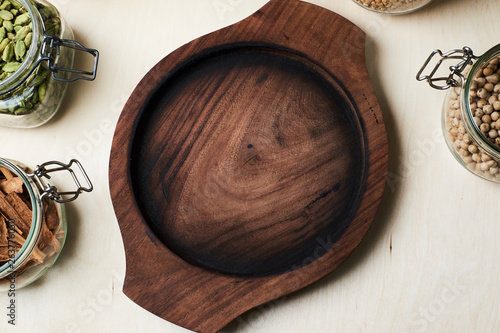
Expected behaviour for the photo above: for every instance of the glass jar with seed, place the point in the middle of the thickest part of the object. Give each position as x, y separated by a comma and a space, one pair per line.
36, 62
471, 111
395, 7
33, 219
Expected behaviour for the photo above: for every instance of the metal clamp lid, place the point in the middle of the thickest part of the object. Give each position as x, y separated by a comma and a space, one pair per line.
51, 191
455, 79
50, 47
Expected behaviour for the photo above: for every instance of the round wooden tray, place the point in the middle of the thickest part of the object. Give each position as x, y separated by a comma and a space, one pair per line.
247, 164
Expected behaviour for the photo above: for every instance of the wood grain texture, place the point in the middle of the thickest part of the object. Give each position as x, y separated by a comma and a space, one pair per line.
247, 164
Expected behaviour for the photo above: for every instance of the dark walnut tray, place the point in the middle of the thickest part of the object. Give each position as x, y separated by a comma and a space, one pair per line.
247, 164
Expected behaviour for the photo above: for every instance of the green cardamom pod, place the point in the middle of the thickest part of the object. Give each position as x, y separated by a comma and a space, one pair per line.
27, 40
8, 25
42, 90
4, 44
15, 4
34, 98
6, 15
11, 67
2, 33
6, 4
22, 19
22, 33
8, 52
14, 11
20, 50
20, 111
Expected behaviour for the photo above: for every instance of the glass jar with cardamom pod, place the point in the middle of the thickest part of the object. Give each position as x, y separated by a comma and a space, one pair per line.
395, 7
471, 110
37, 52
33, 219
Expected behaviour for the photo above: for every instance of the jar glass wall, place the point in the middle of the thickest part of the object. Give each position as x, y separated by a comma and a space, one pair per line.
471, 118
33, 228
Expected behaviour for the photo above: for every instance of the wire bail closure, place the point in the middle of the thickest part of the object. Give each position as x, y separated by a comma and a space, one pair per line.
455, 79
51, 46
51, 191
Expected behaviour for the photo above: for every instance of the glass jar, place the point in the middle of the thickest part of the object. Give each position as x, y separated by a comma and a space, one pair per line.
33, 224
471, 110
395, 7
32, 94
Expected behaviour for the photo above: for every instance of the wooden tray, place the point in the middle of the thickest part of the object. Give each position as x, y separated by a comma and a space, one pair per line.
247, 164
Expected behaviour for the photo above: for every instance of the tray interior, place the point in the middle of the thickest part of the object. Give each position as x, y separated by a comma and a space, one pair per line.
245, 156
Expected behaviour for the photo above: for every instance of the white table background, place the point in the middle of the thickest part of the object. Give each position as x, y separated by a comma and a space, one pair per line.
441, 274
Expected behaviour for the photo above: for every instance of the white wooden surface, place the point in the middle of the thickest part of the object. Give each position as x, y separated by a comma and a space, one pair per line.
441, 274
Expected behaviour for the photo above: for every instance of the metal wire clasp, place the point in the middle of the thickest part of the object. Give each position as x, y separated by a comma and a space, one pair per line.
51, 191
455, 79
51, 46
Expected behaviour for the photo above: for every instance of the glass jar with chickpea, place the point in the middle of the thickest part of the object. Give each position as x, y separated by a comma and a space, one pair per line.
471, 111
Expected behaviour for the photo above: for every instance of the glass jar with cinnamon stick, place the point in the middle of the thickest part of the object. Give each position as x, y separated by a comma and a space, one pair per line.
33, 219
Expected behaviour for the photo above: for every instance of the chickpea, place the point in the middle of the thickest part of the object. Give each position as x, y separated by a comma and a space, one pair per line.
481, 103
496, 105
493, 134
473, 150
477, 120
467, 138
482, 93
488, 109
493, 78
481, 81
485, 157
495, 115
484, 127
488, 71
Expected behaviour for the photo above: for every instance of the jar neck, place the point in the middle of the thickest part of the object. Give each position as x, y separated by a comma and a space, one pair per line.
21, 74
467, 114
24, 253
